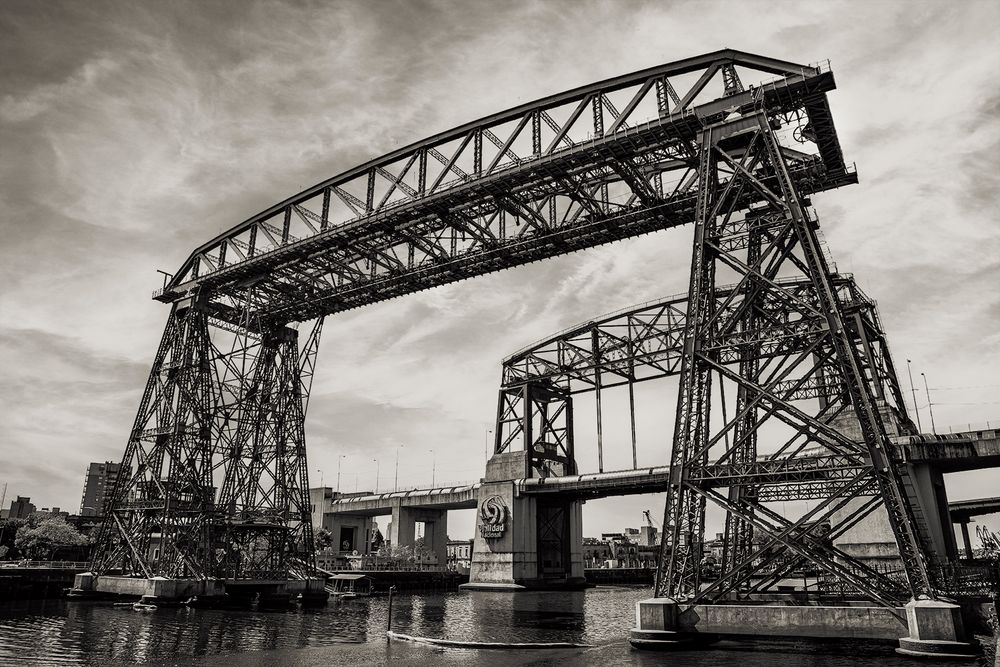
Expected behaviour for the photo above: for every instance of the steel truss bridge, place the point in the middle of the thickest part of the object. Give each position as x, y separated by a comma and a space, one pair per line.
646, 343
218, 484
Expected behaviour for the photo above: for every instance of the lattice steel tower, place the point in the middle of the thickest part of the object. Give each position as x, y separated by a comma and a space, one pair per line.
777, 359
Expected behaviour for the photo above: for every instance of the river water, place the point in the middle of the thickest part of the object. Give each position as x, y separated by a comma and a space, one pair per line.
55, 632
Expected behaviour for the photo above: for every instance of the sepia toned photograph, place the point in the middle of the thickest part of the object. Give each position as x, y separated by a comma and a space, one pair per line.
500, 333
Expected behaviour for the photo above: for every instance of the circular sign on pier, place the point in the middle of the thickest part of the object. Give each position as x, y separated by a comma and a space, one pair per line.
493, 515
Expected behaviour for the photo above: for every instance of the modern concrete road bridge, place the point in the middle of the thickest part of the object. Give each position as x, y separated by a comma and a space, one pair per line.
349, 515
954, 452
963, 511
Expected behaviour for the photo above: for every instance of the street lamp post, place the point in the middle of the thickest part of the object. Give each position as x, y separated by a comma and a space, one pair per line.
929, 404
913, 390
486, 446
376, 474
339, 459
320, 477
433, 468
395, 479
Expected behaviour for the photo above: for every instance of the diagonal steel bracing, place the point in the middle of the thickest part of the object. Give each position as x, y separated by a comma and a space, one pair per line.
743, 153
218, 484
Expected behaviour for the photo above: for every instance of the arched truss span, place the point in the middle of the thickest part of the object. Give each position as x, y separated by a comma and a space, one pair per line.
646, 342
602, 162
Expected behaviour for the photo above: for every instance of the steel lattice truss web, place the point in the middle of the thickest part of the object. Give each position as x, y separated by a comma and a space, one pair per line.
645, 343
596, 164
217, 484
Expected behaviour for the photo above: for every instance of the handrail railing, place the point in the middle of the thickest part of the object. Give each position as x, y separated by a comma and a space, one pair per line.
46, 564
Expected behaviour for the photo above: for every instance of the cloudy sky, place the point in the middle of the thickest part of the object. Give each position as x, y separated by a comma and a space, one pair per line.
131, 132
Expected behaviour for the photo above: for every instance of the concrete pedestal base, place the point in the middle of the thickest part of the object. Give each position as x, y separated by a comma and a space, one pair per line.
497, 586
658, 627
936, 631
668, 640
163, 591
156, 590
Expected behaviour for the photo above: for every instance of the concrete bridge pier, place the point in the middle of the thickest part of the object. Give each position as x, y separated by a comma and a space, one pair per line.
524, 542
966, 540
349, 532
403, 529
932, 628
871, 540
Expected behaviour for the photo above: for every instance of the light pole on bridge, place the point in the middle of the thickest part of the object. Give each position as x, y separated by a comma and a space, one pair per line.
376, 474
913, 390
432, 468
395, 480
929, 404
339, 459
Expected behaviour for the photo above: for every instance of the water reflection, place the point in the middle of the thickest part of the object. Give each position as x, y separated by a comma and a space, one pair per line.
53, 632
540, 615
353, 633
86, 632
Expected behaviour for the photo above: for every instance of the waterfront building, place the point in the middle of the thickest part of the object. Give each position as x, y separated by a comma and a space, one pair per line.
459, 554
97, 485
646, 555
21, 508
624, 553
649, 536
631, 548
595, 552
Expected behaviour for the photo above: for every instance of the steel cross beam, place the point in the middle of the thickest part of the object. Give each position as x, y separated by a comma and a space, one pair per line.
548, 179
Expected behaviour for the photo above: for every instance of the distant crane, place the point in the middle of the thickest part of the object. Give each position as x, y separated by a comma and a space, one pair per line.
649, 520
990, 541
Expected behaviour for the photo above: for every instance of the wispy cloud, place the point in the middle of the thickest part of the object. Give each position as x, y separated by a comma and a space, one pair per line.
41, 99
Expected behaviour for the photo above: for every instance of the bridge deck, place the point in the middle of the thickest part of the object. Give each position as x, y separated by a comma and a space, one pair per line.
963, 510
953, 452
378, 504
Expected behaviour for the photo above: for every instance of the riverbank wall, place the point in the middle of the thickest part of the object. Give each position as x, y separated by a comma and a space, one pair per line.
620, 576
35, 583
417, 580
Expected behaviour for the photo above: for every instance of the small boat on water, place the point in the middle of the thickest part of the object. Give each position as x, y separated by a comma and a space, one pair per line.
144, 604
350, 586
